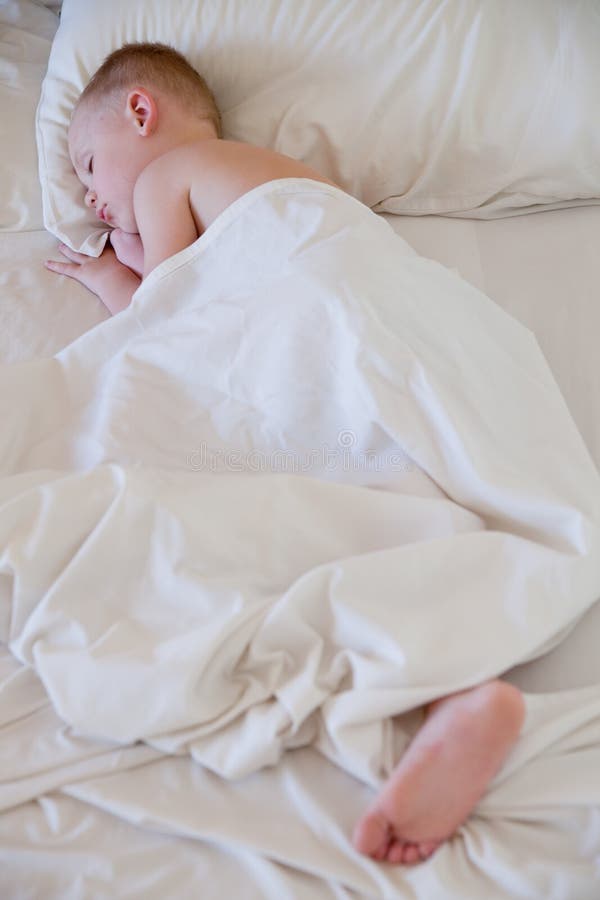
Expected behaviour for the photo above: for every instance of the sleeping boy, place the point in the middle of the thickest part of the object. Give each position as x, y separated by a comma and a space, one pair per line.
145, 140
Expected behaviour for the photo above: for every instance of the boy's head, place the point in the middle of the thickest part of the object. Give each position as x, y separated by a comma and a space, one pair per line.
155, 66
143, 98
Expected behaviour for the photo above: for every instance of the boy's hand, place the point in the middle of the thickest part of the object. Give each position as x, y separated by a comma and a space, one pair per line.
129, 249
113, 282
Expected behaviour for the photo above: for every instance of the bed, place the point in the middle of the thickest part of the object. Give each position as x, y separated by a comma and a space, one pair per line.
87, 816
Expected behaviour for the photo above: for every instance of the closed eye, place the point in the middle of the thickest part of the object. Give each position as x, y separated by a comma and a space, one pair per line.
90, 167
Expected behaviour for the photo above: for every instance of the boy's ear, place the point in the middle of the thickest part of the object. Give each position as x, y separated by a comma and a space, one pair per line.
141, 111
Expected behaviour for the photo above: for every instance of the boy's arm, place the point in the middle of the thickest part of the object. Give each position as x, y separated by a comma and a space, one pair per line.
104, 275
162, 210
129, 250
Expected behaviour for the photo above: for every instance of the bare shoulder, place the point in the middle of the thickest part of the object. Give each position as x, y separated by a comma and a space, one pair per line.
248, 161
225, 170
174, 166
163, 213
239, 153
215, 172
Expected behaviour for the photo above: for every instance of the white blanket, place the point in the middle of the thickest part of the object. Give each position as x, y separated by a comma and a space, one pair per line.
307, 482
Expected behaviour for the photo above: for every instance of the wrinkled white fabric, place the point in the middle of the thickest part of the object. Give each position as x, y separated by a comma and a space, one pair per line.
305, 483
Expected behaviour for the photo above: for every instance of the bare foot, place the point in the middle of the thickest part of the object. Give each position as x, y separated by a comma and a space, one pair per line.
443, 774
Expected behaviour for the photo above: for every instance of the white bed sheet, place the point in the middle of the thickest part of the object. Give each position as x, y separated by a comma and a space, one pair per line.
543, 270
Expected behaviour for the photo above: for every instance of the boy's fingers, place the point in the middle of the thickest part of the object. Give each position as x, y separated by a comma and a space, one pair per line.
72, 254
71, 268
62, 268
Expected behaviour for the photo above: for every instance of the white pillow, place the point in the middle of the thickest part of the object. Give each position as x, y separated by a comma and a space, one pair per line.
456, 108
26, 32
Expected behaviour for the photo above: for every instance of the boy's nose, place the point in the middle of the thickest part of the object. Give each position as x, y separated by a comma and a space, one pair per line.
91, 198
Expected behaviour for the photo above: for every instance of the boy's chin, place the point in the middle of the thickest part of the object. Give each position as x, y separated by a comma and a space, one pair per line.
128, 226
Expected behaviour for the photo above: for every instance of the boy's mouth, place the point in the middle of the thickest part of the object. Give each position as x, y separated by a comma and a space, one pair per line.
101, 213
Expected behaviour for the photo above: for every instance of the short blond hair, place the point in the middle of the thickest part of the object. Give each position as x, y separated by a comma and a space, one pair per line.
155, 65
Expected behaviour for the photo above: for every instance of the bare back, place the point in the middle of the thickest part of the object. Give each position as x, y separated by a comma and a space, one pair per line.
221, 171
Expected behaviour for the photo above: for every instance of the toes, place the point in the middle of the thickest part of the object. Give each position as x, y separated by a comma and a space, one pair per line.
403, 852
427, 848
372, 835
411, 854
408, 854
396, 852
